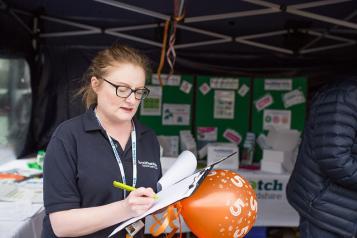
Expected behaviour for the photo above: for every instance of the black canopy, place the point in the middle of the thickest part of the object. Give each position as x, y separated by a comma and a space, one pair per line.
227, 37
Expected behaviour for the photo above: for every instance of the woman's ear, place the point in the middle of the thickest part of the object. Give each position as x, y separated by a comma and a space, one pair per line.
94, 83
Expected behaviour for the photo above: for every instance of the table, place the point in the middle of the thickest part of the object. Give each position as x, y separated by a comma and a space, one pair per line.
21, 214
30, 227
273, 208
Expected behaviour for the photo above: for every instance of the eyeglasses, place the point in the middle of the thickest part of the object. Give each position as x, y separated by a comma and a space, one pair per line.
125, 91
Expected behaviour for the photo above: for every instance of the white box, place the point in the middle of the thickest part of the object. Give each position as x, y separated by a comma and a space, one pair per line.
217, 151
273, 167
276, 156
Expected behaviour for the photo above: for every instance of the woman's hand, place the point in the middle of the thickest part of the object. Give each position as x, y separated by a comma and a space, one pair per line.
84, 221
140, 200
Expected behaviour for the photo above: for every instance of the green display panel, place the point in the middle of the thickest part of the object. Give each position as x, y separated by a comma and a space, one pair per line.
290, 114
176, 100
222, 106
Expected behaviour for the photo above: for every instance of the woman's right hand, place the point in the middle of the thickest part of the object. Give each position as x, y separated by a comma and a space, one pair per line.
139, 201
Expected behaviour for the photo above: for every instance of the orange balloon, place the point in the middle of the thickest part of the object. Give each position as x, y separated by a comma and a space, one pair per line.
224, 205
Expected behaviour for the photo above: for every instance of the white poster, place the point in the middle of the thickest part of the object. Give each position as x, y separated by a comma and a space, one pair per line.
292, 98
278, 84
232, 136
185, 87
264, 102
176, 114
224, 104
277, 119
207, 133
224, 83
244, 89
204, 88
152, 104
173, 80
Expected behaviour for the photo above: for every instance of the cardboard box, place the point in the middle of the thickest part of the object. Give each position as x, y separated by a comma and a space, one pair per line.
273, 167
276, 156
217, 151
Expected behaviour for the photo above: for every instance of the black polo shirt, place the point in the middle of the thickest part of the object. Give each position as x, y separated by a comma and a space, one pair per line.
80, 166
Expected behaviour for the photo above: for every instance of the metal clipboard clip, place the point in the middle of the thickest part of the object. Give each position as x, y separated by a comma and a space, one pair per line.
202, 174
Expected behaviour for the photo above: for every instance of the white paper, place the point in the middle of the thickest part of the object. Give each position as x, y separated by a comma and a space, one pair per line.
232, 136
244, 89
264, 102
183, 167
204, 88
151, 106
224, 101
207, 133
20, 167
166, 163
173, 80
224, 83
178, 191
292, 98
278, 84
185, 87
167, 197
277, 119
14, 192
176, 114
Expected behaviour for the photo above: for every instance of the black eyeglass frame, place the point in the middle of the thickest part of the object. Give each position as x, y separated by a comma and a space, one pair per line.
132, 90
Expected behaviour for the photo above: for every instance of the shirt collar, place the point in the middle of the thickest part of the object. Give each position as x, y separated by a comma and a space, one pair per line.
91, 123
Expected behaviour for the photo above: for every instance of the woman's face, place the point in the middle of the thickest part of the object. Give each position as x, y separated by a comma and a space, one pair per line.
112, 107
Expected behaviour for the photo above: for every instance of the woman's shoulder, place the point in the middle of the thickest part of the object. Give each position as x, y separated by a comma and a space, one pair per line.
69, 127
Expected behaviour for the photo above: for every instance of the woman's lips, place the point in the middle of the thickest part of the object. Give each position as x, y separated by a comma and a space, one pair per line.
127, 109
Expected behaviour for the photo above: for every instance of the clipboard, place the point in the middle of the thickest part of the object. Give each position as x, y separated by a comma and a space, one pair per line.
176, 192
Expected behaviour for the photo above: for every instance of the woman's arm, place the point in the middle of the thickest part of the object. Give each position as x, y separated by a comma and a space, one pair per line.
84, 221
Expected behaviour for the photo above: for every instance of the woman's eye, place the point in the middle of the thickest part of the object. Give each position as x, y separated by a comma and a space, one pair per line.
123, 89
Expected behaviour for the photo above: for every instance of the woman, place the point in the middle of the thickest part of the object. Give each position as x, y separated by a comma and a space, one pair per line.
87, 153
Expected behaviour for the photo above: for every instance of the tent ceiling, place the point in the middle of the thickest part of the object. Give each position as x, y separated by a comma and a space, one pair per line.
263, 26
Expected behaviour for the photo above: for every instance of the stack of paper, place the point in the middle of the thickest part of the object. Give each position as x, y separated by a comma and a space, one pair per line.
29, 190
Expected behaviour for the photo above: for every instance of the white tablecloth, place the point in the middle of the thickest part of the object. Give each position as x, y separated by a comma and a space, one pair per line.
273, 208
28, 228
22, 213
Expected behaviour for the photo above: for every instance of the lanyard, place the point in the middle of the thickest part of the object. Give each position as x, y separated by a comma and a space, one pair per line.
117, 157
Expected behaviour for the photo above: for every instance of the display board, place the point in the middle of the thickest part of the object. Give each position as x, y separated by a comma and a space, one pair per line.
278, 102
168, 108
222, 109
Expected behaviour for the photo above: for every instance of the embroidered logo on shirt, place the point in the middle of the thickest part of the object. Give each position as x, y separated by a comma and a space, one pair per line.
147, 164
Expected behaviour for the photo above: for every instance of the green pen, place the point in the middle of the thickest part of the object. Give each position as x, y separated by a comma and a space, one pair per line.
128, 188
